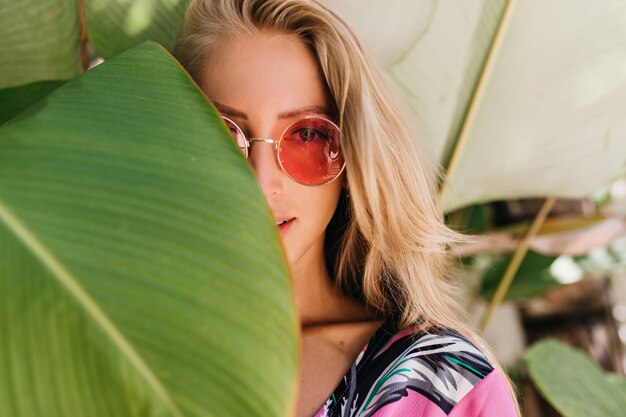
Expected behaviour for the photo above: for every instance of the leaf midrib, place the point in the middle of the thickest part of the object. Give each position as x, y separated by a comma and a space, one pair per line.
56, 268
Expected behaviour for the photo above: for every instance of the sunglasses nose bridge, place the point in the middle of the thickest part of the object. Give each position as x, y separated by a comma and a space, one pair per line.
272, 142
264, 163
266, 140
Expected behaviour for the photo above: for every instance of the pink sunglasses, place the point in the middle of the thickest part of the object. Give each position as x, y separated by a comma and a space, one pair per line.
308, 150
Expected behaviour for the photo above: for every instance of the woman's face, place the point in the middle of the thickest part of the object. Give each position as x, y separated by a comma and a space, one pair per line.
263, 83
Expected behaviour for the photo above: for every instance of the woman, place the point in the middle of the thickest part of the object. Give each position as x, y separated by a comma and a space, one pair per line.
355, 203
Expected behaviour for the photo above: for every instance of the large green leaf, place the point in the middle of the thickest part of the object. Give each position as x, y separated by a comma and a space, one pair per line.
548, 118
573, 384
141, 272
15, 100
39, 40
116, 25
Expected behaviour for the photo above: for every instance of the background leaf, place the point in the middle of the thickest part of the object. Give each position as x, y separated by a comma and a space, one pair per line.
141, 272
549, 121
532, 279
116, 25
39, 40
573, 384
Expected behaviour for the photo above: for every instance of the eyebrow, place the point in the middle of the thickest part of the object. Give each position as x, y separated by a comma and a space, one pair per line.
230, 111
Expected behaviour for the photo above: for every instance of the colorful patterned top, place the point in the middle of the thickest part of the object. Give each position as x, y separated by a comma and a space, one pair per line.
427, 373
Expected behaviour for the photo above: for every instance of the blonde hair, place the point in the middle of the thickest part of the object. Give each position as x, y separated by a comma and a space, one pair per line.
387, 243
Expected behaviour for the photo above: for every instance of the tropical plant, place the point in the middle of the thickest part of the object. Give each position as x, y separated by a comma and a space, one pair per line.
141, 272
573, 384
131, 251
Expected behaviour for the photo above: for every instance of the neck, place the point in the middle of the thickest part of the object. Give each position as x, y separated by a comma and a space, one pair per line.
318, 301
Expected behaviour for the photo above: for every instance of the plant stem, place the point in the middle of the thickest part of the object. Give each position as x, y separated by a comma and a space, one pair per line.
476, 97
516, 261
84, 54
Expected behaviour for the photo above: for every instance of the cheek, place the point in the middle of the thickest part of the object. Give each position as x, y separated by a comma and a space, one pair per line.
316, 204
315, 207
321, 202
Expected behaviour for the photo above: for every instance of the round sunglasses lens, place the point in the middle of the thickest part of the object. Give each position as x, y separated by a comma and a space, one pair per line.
310, 153
238, 135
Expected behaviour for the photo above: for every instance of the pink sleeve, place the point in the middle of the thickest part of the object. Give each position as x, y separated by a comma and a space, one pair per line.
413, 405
489, 398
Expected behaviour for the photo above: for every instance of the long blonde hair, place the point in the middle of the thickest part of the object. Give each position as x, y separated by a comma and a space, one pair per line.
387, 243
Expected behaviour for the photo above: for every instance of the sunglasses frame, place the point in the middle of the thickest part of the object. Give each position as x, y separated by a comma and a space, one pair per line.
276, 143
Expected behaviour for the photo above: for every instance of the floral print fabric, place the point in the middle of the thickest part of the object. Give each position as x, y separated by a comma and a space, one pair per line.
414, 372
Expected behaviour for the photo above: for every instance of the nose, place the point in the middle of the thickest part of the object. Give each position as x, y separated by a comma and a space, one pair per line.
262, 157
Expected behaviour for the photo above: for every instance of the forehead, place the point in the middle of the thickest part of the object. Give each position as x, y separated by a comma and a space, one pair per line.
265, 74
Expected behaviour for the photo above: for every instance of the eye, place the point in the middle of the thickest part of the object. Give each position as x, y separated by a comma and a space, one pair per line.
309, 134
232, 128
237, 134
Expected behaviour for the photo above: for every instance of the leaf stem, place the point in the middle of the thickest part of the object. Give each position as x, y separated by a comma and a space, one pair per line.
59, 272
84, 38
485, 75
516, 261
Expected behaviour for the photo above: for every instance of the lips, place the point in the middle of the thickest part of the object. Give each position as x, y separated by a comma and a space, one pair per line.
283, 225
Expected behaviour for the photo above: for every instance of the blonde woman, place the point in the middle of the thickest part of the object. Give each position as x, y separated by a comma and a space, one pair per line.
354, 200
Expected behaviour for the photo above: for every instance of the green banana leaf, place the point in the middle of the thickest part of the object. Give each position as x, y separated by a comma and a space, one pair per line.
116, 25
39, 40
141, 273
573, 384
15, 100
533, 278
544, 118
